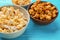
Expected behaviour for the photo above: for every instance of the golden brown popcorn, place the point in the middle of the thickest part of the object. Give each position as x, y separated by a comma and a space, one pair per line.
32, 12
42, 16
48, 17
36, 16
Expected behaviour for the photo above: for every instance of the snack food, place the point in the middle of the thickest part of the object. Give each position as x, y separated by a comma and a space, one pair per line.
43, 11
21, 2
11, 20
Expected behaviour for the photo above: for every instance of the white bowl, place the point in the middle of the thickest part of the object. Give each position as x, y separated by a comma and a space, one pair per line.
20, 32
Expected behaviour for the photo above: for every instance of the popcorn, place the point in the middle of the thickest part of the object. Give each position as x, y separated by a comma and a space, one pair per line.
21, 2
43, 11
10, 19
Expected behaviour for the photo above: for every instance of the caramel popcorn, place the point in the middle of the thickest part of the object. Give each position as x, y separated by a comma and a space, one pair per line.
43, 11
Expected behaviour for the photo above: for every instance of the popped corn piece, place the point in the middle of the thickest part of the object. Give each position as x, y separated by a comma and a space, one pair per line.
48, 17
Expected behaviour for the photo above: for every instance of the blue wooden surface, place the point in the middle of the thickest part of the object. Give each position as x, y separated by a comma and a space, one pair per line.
37, 32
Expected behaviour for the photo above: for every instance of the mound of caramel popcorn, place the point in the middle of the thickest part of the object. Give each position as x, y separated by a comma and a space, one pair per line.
43, 11
11, 20
21, 2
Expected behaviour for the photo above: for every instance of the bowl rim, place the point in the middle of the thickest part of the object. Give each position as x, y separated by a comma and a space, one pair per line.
22, 5
41, 20
27, 21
